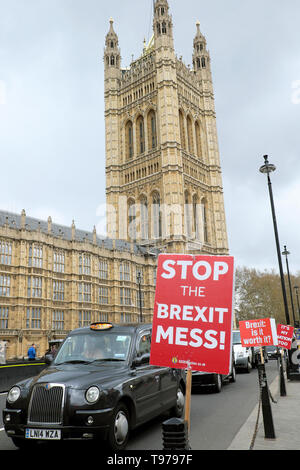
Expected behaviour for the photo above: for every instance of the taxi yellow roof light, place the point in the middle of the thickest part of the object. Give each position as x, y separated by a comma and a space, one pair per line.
100, 326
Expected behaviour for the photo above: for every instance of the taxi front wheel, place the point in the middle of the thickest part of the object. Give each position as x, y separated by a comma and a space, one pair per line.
119, 429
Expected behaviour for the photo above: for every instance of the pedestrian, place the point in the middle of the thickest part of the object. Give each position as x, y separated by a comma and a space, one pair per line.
31, 352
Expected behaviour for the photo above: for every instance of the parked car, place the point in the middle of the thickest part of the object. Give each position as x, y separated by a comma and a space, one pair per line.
99, 385
272, 352
212, 380
244, 358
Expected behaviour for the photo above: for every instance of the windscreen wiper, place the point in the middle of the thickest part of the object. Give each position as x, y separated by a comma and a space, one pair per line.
107, 359
74, 361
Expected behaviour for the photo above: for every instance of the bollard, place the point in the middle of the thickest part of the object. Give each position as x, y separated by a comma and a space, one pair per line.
175, 434
281, 374
265, 402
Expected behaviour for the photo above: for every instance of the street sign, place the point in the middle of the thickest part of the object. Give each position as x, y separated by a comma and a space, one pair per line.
192, 320
285, 336
261, 332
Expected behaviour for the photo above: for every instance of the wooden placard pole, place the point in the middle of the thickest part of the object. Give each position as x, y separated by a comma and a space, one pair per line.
262, 355
188, 398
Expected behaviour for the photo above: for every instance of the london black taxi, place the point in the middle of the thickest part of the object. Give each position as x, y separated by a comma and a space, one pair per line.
100, 385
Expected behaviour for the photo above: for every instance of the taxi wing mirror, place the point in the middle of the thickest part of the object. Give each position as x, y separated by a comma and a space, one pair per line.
49, 358
141, 360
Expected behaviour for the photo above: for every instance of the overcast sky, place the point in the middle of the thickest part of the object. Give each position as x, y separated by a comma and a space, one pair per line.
52, 108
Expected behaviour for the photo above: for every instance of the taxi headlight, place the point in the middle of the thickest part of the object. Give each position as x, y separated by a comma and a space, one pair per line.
92, 394
13, 394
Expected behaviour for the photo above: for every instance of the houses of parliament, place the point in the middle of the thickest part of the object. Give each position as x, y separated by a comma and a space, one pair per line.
163, 193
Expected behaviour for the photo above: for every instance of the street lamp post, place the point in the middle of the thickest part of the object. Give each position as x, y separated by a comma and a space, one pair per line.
297, 297
267, 168
140, 296
286, 253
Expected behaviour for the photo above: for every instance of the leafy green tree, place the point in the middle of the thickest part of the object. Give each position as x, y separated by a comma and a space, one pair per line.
259, 295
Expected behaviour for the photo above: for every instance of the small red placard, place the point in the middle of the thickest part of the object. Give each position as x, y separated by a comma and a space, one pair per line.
285, 336
261, 332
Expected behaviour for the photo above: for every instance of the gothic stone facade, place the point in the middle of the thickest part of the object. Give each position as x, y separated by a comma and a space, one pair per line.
163, 174
55, 278
164, 193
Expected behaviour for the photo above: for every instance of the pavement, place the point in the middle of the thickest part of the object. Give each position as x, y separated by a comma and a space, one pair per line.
286, 422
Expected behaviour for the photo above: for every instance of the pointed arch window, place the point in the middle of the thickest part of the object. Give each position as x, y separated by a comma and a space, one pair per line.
195, 216
203, 62
131, 220
129, 140
187, 214
190, 134
198, 139
156, 216
204, 220
182, 130
144, 218
152, 134
164, 28
141, 135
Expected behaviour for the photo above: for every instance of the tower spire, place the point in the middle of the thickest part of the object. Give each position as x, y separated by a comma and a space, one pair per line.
112, 57
201, 59
162, 24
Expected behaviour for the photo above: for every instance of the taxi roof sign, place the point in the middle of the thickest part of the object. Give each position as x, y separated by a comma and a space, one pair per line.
100, 326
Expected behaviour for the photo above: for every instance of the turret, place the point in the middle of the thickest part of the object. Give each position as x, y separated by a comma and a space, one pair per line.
112, 56
201, 58
162, 25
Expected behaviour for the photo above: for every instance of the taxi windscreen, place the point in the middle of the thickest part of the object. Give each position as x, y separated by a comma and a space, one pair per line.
86, 347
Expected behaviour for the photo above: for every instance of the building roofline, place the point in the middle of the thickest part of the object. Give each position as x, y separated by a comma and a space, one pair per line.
32, 224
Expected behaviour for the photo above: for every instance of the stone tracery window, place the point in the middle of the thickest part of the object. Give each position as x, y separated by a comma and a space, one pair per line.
198, 139
144, 217
5, 252
187, 214
190, 134
129, 140
156, 216
152, 133
195, 217
204, 220
140, 135
132, 219
182, 130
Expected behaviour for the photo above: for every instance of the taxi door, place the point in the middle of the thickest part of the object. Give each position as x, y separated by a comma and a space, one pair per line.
169, 386
146, 383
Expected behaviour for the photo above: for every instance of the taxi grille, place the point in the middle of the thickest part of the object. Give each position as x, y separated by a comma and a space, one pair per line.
46, 404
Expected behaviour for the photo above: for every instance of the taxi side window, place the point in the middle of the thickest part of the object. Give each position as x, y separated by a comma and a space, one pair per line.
144, 344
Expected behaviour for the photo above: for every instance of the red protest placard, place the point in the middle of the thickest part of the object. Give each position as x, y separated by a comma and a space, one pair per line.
261, 332
285, 336
192, 320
